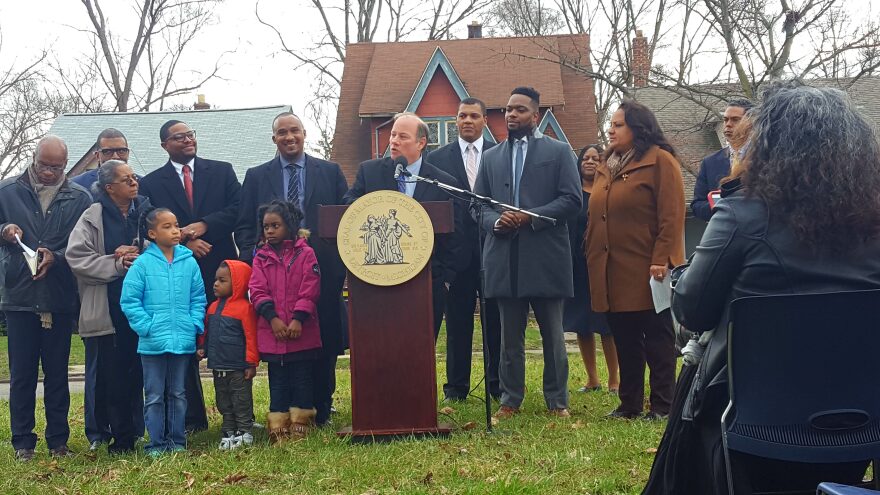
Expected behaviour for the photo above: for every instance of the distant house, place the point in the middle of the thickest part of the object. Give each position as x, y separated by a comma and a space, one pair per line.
240, 136
431, 77
696, 132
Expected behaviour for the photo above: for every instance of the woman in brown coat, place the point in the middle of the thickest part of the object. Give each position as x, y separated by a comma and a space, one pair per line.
636, 232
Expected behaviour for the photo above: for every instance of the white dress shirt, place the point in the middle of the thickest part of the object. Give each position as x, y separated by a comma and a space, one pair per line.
179, 168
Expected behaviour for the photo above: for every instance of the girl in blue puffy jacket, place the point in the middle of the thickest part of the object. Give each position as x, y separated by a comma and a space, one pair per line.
163, 297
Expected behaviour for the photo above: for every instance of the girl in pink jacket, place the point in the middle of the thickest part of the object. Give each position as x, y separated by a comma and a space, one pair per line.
284, 290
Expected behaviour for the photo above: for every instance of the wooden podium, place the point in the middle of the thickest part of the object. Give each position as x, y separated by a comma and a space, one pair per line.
391, 340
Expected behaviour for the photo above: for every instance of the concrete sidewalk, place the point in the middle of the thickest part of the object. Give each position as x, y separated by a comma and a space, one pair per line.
76, 374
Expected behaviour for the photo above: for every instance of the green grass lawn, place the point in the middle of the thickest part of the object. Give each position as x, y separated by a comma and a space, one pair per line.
529, 454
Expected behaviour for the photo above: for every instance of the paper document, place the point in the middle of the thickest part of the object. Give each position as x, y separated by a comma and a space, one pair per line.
661, 292
29, 255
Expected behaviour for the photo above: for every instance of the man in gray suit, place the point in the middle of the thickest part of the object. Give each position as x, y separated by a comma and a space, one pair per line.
527, 260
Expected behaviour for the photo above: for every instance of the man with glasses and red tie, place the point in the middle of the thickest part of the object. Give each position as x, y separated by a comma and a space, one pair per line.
204, 195
110, 145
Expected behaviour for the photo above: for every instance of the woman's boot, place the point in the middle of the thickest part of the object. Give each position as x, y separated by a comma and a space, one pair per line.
278, 424
301, 422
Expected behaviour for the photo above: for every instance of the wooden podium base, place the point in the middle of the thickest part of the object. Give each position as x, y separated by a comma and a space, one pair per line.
383, 436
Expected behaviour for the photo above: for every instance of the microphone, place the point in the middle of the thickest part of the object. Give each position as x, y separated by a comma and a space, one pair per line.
400, 169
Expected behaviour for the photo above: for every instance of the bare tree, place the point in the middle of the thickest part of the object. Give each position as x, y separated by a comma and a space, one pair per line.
144, 70
27, 109
23, 114
359, 21
523, 18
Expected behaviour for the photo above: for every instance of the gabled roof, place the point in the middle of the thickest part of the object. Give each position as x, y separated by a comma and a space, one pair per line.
441, 62
549, 120
480, 63
381, 79
695, 131
240, 136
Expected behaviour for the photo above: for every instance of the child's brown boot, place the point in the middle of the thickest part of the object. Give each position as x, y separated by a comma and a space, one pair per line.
301, 422
278, 424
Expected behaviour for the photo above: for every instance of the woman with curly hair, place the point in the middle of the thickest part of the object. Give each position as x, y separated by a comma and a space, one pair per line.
635, 233
806, 220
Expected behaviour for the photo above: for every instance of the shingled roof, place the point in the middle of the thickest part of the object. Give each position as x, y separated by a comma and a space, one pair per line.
240, 136
380, 79
696, 132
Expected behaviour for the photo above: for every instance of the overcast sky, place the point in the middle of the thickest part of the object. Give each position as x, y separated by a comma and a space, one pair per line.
256, 73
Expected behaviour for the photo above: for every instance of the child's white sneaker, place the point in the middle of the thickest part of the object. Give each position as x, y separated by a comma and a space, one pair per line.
228, 442
243, 440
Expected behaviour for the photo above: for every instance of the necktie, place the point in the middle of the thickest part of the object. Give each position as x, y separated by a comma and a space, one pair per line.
518, 162
188, 184
471, 166
401, 184
293, 185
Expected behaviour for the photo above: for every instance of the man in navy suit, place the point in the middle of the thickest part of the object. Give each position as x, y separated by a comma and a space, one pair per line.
461, 159
409, 138
717, 165
317, 182
204, 195
111, 145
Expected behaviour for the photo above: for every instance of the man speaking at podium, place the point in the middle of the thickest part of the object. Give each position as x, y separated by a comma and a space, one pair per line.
409, 138
528, 260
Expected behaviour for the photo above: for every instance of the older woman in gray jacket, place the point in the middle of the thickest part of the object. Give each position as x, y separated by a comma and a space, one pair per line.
100, 251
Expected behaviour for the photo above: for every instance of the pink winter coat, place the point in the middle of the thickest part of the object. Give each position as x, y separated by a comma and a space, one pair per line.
293, 283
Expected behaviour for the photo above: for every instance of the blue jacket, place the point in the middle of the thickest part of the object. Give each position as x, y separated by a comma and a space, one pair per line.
714, 168
165, 302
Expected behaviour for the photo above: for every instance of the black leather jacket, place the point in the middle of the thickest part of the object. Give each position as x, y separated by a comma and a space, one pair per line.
19, 205
746, 251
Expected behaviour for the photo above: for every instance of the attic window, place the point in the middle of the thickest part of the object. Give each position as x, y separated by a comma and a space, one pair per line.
441, 131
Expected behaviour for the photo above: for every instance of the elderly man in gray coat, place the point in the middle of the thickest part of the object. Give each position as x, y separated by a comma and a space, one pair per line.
527, 260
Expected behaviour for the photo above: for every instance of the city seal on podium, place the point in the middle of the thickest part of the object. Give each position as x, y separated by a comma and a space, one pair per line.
385, 238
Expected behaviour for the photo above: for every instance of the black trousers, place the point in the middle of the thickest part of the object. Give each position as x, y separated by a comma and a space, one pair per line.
117, 387
196, 417
644, 337
438, 299
32, 346
324, 385
291, 384
460, 305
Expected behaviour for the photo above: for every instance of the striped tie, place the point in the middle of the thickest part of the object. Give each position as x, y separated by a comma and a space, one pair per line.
293, 185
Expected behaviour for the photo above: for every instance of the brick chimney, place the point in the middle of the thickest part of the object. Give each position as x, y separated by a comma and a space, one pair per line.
475, 30
200, 104
641, 61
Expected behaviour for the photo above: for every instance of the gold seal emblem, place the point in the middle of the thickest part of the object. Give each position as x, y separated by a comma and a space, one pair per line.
385, 238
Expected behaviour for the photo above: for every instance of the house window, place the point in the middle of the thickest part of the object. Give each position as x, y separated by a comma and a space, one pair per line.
433, 135
451, 131
441, 131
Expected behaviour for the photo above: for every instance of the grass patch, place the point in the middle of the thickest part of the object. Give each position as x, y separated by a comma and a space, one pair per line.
530, 454
77, 355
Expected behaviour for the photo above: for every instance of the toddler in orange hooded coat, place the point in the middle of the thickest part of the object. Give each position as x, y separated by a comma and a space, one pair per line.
230, 344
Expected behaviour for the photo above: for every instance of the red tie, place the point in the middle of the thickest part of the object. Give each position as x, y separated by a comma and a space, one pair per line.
188, 184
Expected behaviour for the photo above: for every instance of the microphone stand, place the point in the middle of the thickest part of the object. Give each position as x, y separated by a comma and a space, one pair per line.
477, 198
477, 202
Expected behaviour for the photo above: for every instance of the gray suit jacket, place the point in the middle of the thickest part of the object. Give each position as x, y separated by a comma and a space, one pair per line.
534, 261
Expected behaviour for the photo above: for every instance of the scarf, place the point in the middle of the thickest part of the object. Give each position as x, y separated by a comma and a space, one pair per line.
45, 193
617, 162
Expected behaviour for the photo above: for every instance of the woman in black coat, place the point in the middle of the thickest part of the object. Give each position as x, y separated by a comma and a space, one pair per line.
806, 219
579, 316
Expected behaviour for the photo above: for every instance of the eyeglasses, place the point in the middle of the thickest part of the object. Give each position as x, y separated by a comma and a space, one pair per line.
130, 180
108, 152
182, 136
55, 169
